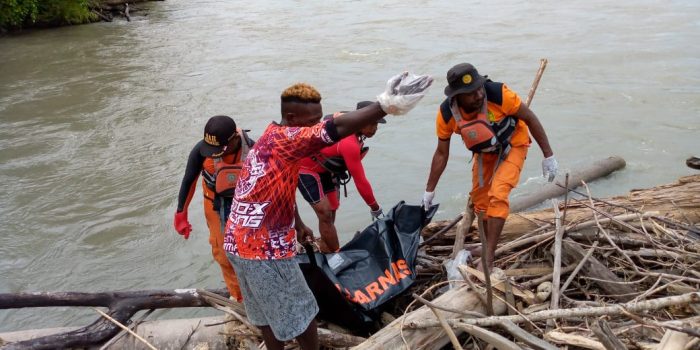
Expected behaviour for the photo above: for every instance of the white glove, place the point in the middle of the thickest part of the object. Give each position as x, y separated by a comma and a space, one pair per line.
376, 213
428, 199
549, 168
403, 92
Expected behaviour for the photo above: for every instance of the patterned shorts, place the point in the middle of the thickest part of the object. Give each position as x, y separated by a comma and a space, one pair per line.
275, 294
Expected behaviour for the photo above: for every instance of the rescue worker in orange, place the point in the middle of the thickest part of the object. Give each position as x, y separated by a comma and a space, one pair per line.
218, 157
493, 123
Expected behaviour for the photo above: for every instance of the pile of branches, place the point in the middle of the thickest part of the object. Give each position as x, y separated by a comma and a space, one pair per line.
619, 278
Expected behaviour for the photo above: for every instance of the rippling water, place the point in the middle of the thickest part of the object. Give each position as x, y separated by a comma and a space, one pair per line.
96, 121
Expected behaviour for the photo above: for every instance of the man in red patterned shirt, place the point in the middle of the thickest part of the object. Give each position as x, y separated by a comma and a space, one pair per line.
264, 224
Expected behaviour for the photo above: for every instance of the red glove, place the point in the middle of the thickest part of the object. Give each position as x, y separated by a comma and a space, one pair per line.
182, 226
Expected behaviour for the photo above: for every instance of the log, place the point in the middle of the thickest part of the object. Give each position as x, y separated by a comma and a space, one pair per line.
179, 334
602, 331
389, 337
679, 201
122, 306
163, 334
574, 313
604, 278
588, 173
573, 339
673, 340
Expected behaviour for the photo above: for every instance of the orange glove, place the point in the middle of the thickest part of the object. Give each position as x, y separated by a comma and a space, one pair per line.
182, 226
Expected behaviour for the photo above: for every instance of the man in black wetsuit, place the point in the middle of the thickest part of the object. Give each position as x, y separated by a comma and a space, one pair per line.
218, 157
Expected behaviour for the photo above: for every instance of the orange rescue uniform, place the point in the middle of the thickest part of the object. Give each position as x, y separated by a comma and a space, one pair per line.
216, 228
491, 196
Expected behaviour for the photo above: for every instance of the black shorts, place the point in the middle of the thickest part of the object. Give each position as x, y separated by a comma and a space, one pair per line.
314, 186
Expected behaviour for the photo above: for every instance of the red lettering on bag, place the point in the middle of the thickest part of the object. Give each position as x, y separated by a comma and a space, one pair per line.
399, 270
387, 278
373, 290
360, 297
403, 267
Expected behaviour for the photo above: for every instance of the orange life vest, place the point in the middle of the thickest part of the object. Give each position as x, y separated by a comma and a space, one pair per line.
222, 177
481, 135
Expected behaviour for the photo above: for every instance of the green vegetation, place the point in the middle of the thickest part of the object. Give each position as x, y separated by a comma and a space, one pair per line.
18, 14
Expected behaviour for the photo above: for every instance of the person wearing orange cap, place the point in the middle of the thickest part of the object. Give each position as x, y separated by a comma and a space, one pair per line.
218, 157
495, 125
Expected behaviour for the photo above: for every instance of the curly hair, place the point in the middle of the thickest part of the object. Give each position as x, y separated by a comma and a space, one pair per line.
301, 92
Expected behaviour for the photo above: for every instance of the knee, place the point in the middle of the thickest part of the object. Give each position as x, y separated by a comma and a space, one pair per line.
498, 208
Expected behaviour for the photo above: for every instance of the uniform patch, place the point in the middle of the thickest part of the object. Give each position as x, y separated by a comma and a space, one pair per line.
491, 116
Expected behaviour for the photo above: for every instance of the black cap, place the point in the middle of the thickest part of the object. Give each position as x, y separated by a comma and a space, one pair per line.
463, 78
363, 104
217, 134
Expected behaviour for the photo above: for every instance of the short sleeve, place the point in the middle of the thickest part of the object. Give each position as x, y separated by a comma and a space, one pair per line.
296, 143
511, 101
443, 129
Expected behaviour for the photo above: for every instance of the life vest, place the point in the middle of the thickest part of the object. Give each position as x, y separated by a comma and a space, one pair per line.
336, 164
223, 180
481, 135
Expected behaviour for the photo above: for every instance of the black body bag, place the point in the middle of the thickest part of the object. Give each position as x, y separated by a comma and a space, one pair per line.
377, 265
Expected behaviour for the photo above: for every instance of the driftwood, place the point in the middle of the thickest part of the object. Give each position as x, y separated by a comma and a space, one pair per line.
557, 188
517, 224
185, 334
679, 201
647, 254
573, 339
390, 337
599, 273
611, 310
626, 249
122, 306
602, 331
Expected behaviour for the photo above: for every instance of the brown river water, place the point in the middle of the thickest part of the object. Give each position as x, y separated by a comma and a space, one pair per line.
96, 121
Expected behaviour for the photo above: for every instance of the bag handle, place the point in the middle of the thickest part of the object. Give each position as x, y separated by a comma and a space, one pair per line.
310, 253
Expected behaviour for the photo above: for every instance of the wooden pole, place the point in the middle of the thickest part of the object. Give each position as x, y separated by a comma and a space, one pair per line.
610, 310
538, 76
144, 341
485, 264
